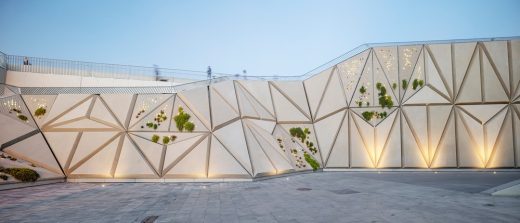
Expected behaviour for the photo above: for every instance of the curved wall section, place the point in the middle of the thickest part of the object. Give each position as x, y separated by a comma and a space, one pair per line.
410, 106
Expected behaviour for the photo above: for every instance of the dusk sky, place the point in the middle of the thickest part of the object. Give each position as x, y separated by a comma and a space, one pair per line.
268, 37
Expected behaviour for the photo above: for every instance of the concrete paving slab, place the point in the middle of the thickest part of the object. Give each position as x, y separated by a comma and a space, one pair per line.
333, 197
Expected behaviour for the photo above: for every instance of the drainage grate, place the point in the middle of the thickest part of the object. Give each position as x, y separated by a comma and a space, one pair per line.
150, 219
304, 189
344, 191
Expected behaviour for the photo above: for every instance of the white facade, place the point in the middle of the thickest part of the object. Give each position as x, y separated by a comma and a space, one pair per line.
461, 109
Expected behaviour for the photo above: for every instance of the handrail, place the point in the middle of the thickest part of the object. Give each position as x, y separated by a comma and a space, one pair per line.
89, 69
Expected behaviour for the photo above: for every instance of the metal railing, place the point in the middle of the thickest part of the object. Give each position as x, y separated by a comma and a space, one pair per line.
367, 46
89, 69
3, 60
191, 78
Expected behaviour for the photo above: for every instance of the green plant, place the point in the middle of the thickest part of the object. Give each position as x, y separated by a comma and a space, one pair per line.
22, 117
182, 121
22, 174
298, 133
386, 101
404, 85
394, 85
421, 83
155, 138
362, 89
189, 126
359, 103
382, 91
415, 83
151, 125
4, 177
368, 115
165, 140
311, 161
303, 135
168, 139
159, 117
379, 85
40, 111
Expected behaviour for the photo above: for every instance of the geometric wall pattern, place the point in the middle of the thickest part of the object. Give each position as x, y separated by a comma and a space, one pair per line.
452, 105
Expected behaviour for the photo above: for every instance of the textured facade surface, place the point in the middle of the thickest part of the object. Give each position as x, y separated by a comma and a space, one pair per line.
450, 105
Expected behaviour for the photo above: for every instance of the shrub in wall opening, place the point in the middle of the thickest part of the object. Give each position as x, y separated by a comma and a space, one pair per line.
182, 121
189, 126
22, 117
168, 139
404, 85
417, 83
40, 111
22, 174
362, 90
155, 138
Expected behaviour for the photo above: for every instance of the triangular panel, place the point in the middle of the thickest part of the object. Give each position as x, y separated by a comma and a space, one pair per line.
326, 131
152, 151
199, 125
160, 117
35, 150
314, 87
100, 113
198, 101
293, 91
145, 103
222, 163
286, 109
61, 144
232, 137
101, 163
333, 97
131, 163
194, 164
40, 103
119, 104
221, 109
462, 56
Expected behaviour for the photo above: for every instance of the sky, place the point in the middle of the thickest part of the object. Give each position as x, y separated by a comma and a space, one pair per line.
268, 37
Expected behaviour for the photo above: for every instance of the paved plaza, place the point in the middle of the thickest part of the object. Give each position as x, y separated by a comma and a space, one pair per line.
313, 197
